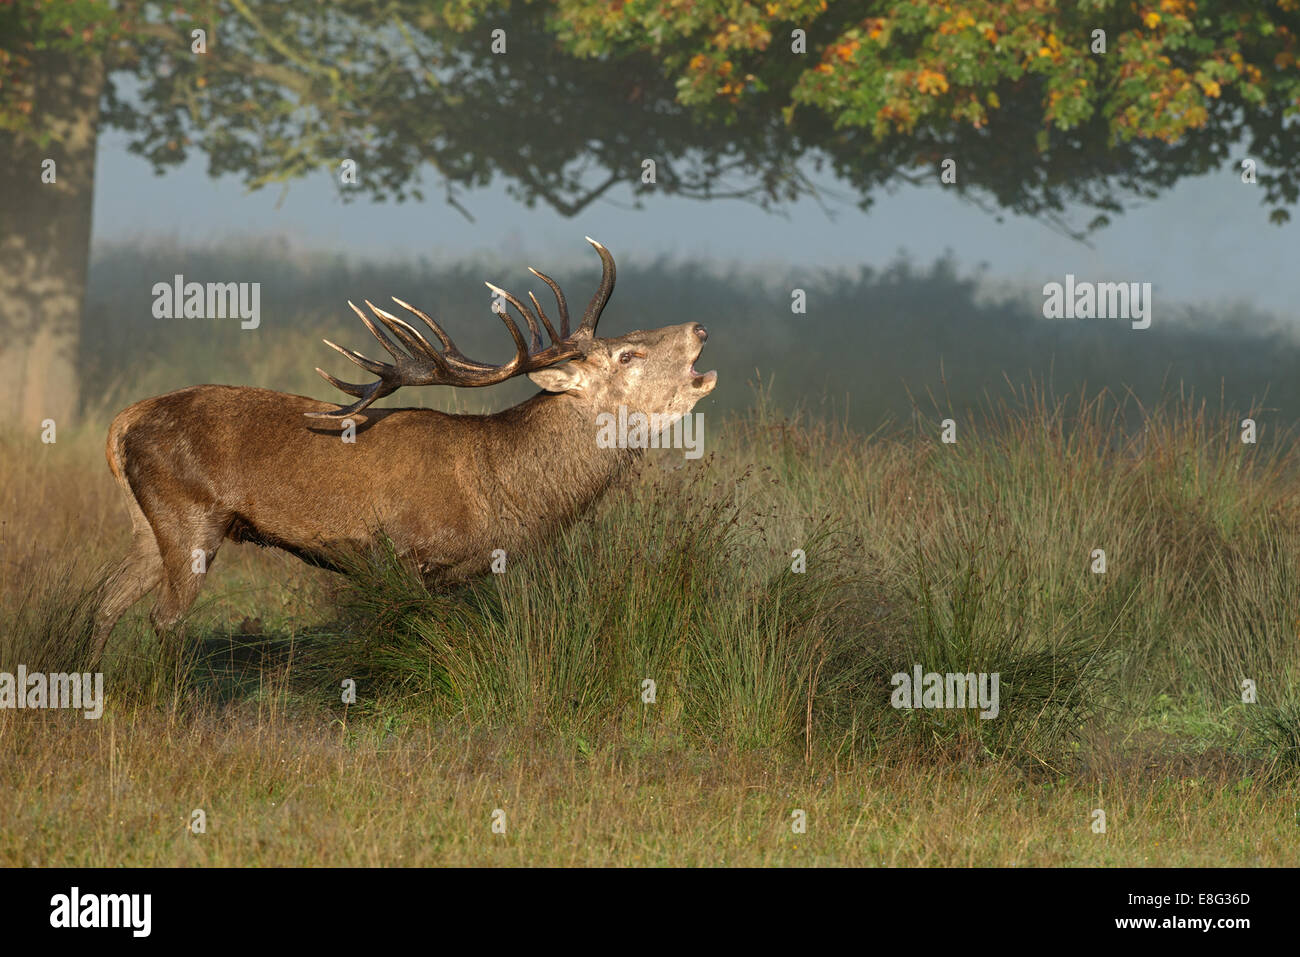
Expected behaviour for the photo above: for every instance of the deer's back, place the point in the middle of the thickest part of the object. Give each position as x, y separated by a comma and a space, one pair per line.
250, 457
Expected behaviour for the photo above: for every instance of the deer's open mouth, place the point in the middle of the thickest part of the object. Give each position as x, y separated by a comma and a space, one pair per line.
702, 380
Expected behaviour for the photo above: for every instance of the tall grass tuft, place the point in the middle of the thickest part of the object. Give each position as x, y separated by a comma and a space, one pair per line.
973, 613
654, 620
1108, 561
48, 627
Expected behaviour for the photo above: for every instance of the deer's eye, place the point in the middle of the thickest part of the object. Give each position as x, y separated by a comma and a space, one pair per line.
626, 357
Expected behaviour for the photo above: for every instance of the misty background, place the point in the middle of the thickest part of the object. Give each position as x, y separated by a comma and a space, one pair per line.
923, 300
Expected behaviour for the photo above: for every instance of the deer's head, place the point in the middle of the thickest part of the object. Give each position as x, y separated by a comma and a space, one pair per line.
651, 371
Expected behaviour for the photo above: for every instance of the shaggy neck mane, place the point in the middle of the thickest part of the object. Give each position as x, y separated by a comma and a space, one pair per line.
545, 468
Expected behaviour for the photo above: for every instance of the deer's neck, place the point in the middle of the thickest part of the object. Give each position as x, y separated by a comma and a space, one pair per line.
545, 467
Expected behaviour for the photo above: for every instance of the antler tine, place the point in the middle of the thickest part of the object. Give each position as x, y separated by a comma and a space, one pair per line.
419, 346
365, 390
559, 299
449, 347
370, 365
351, 388
374, 331
541, 314
368, 393
524, 311
521, 347
603, 292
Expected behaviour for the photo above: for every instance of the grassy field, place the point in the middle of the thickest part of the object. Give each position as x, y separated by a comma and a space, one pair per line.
281, 790
524, 693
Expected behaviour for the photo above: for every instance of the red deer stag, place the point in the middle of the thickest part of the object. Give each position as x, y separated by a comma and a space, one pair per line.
213, 462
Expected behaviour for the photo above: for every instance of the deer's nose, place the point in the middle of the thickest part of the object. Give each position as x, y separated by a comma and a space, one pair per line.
700, 331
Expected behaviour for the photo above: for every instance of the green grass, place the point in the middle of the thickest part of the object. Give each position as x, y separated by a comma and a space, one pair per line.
1120, 690
280, 790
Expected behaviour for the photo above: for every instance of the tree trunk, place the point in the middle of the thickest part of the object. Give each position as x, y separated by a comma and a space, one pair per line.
45, 243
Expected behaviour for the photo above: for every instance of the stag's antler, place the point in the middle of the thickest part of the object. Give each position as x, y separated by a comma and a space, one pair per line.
422, 364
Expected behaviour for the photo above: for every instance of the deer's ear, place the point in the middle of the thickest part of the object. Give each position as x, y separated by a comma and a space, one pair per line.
566, 377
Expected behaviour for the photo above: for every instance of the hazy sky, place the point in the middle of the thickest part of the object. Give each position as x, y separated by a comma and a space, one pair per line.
1206, 241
